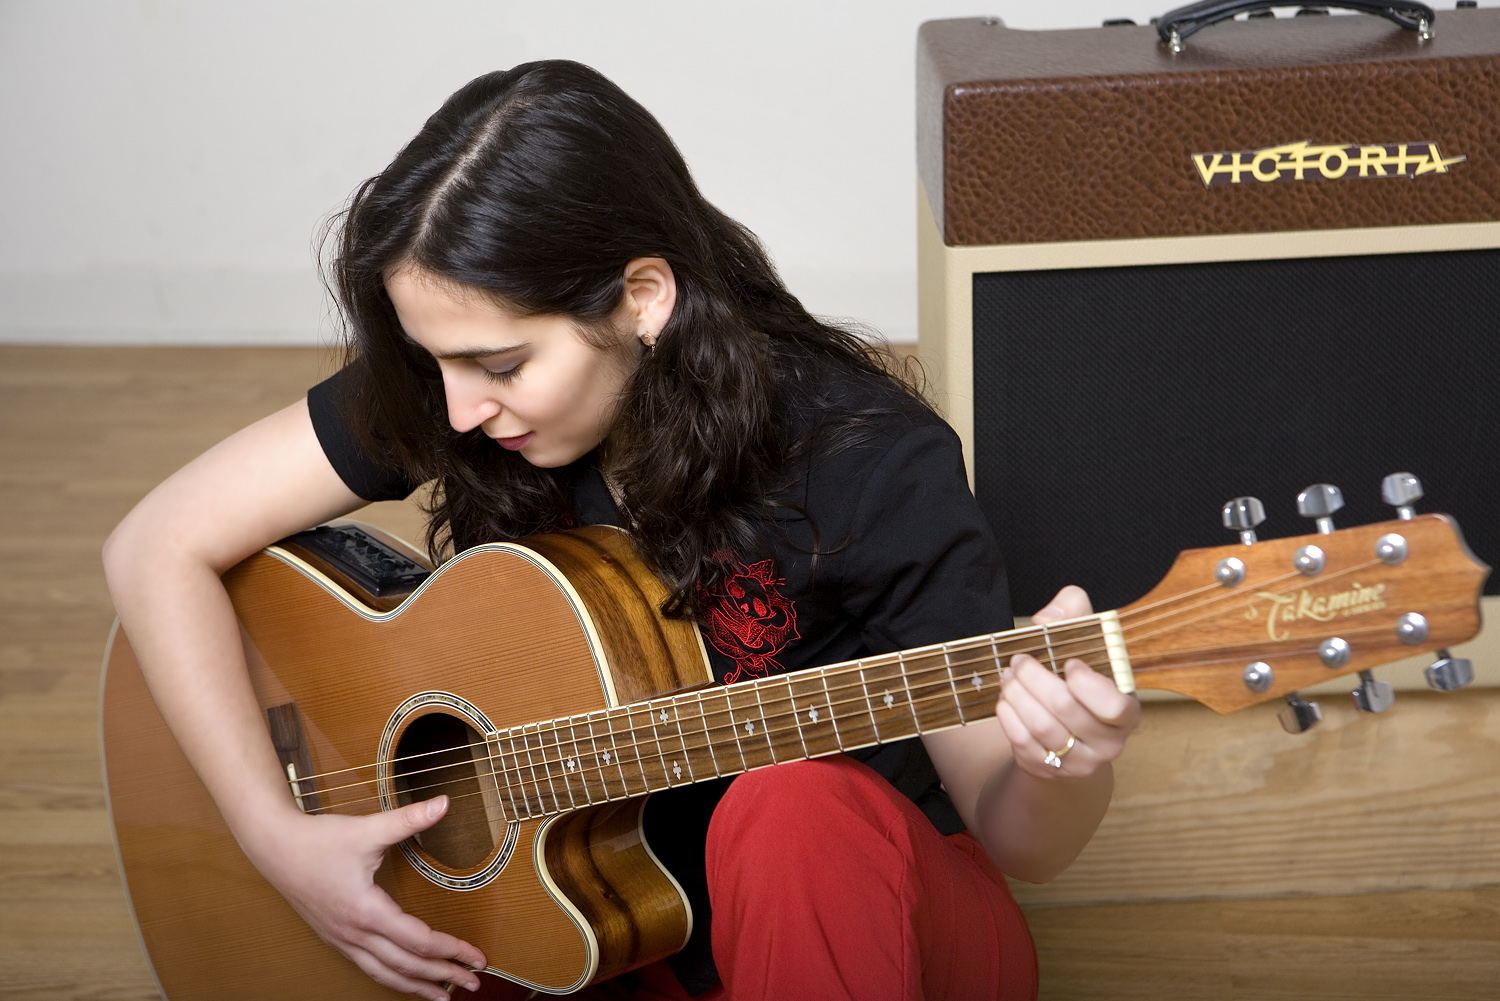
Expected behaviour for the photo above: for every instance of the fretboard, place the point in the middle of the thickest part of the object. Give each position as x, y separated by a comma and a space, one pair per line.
563, 764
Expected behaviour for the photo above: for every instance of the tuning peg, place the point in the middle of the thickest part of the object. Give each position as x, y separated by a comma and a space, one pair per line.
1400, 490
1448, 672
1242, 515
1320, 501
1373, 696
1298, 716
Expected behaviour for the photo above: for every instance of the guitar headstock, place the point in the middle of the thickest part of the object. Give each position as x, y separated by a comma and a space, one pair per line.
1237, 625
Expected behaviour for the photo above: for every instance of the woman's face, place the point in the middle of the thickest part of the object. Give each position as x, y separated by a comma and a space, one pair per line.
529, 382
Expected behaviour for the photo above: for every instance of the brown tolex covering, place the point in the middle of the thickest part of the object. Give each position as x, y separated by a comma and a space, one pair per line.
1040, 136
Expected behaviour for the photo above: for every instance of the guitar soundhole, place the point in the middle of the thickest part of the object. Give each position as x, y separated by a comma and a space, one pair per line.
440, 754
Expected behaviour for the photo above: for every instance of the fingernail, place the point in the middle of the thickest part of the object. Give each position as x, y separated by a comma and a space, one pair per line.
436, 806
473, 986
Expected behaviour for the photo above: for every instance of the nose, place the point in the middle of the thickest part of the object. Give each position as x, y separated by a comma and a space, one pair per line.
469, 403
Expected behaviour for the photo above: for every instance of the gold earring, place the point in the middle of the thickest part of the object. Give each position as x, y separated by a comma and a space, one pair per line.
648, 339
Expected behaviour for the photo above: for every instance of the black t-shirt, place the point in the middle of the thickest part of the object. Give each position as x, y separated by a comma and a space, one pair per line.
904, 559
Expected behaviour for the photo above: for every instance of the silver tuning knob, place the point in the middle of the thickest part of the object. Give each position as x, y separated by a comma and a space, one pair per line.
1400, 491
1373, 696
1449, 673
1298, 716
1242, 515
1320, 501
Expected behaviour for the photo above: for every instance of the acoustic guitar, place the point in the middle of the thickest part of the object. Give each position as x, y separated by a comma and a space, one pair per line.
536, 684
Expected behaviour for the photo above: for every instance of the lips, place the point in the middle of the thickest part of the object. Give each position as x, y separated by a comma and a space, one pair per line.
517, 443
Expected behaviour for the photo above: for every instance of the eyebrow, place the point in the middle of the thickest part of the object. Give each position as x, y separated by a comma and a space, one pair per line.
484, 352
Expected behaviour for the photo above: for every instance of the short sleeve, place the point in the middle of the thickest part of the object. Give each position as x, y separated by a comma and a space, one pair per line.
361, 472
922, 565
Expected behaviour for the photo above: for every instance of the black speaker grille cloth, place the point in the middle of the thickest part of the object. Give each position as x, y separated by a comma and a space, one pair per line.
1117, 409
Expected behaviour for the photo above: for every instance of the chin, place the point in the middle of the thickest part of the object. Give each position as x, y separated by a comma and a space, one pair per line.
549, 458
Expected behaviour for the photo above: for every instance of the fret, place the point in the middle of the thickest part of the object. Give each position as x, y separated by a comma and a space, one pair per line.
869, 702
708, 736
782, 727
571, 765
552, 760
892, 708
833, 707
977, 693
645, 748
749, 726
531, 766
958, 703
687, 752
901, 667
853, 716
796, 716
612, 752
539, 746
732, 729
517, 810
926, 675
815, 713
677, 768
599, 763
1051, 657
765, 729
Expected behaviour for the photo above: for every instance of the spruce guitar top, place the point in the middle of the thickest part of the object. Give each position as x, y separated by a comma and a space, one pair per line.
536, 685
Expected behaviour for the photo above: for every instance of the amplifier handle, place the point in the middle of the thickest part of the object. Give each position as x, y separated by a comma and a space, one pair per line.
1176, 25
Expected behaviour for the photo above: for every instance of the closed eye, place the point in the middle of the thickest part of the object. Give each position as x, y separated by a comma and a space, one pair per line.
503, 376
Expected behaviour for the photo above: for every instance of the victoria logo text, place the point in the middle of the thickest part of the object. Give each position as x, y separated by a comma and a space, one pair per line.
1302, 161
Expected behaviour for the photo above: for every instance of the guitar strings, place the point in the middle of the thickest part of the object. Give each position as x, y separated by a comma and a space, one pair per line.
1047, 633
842, 671
504, 772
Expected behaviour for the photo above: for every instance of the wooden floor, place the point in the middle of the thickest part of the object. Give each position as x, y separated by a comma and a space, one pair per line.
84, 432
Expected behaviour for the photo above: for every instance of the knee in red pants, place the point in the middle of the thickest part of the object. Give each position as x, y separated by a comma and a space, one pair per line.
828, 883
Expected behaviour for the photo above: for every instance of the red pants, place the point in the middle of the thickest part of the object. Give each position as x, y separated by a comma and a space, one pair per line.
827, 884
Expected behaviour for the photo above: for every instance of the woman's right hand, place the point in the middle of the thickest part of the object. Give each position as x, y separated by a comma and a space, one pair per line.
163, 564
324, 865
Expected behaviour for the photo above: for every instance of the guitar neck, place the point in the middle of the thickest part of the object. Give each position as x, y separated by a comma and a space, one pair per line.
559, 765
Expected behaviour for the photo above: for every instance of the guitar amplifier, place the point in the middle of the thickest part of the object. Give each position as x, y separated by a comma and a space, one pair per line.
1162, 270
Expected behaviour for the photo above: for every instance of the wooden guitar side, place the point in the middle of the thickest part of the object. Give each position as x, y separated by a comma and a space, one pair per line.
566, 625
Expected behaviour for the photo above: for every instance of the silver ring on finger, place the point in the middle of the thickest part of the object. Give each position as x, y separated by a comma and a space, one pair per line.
1054, 758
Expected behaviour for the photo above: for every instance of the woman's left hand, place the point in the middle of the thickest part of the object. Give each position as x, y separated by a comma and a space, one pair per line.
1069, 726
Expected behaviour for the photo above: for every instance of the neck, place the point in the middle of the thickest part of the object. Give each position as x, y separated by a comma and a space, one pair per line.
546, 768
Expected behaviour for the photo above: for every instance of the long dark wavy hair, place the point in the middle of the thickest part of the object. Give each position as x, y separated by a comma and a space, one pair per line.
537, 185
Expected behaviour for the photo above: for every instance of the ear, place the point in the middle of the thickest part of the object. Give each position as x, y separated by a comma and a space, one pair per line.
650, 295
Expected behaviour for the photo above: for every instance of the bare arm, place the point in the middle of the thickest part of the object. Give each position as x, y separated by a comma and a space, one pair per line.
1031, 818
163, 564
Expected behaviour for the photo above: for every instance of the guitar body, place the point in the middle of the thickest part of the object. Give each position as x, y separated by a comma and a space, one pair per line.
555, 903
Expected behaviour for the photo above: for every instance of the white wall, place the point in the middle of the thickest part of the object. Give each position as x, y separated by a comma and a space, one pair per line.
164, 164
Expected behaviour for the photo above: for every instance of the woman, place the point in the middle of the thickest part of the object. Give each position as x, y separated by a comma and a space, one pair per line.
548, 319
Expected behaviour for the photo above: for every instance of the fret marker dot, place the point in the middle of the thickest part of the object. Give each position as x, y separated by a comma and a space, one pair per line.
890, 700
977, 682
571, 764
606, 757
749, 727
812, 714
663, 715
676, 769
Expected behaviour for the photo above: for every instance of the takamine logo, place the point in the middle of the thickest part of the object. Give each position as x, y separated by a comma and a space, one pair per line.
1302, 161
1284, 608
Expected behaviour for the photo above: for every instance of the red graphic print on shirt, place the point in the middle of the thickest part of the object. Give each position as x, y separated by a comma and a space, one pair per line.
750, 621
